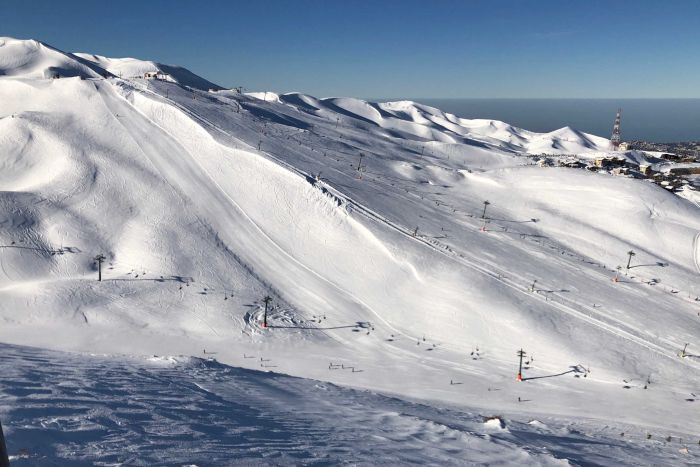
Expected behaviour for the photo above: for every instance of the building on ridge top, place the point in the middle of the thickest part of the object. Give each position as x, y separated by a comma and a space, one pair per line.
156, 75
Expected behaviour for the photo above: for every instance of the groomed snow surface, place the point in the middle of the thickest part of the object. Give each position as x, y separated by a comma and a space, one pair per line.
364, 222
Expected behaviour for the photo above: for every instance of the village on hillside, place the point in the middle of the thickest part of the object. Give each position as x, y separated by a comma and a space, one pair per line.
674, 166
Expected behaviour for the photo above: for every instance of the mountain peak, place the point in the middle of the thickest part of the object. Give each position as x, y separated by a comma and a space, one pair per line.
29, 58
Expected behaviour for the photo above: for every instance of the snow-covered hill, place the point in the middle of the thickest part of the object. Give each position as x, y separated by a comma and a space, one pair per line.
413, 121
135, 68
34, 59
364, 222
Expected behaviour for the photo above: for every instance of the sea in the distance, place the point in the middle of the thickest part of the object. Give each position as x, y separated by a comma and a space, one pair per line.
656, 120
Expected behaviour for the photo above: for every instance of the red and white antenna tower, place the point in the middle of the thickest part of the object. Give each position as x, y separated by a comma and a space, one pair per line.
615, 139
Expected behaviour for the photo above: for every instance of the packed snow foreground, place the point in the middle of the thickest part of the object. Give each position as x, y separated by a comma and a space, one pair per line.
408, 255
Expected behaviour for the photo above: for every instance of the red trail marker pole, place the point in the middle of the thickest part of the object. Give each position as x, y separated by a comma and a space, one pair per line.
521, 354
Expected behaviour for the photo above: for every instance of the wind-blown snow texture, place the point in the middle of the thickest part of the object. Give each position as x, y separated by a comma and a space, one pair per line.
131, 411
363, 222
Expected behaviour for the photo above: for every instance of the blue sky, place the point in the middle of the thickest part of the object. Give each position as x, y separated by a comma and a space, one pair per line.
392, 48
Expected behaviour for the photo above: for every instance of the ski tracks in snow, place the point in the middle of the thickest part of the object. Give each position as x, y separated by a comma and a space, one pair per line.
175, 176
576, 310
632, 334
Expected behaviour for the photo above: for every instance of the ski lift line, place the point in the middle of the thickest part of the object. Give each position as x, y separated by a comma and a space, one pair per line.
251, 147
224, 132
262, 232
333, 284
597, 322
337, 193
594, 321
565, 301
214, 126
369, 213
601, 274
198, 117
193, 115
597, 313
306, 176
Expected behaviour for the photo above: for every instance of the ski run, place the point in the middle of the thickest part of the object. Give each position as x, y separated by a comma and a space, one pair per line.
294, 280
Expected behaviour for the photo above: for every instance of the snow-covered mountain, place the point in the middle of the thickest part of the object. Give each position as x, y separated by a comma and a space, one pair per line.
33, 59
365, 223
413, 121
135, 68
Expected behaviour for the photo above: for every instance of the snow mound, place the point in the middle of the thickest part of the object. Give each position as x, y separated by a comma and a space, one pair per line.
34, 59
568, 140
266, 96
496, 423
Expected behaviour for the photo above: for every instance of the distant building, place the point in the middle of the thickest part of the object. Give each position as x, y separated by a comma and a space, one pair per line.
156, 75
571, 162
624, 146
609, 162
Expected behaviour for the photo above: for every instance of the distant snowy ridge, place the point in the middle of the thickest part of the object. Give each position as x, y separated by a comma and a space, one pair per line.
412, 120
404, 119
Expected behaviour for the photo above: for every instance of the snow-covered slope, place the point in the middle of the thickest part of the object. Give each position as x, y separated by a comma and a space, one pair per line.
37, 60
135, 68
34, 59
365, 224
414, 121
186, 410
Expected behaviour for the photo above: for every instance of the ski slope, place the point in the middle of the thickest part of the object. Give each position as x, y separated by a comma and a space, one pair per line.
118, 410
365, 224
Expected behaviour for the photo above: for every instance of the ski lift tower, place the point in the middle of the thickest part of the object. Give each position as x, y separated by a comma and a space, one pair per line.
615, 138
